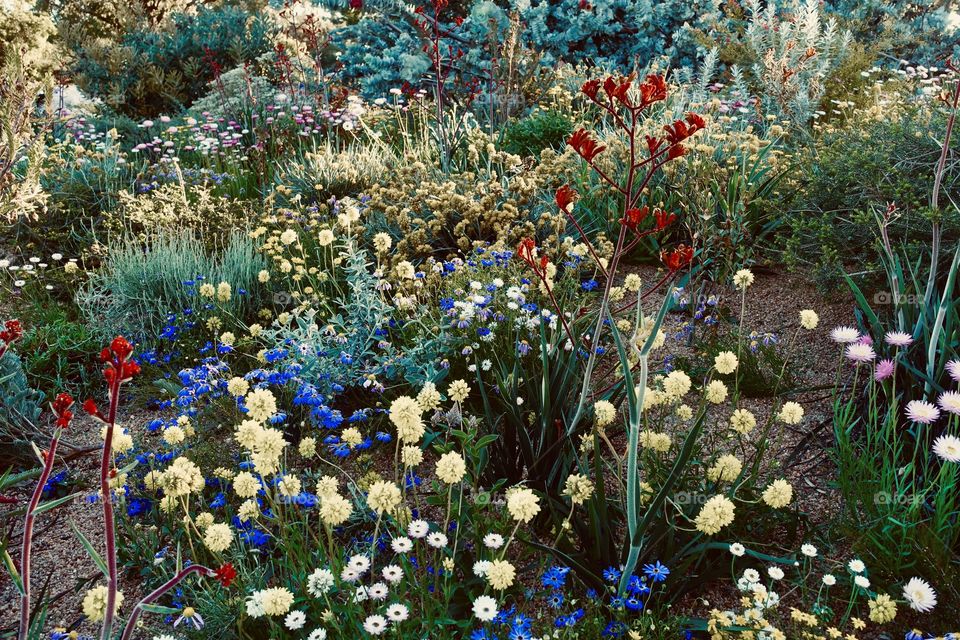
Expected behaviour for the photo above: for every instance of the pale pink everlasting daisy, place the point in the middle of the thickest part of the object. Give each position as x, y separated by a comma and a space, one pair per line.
844, 335
950, 402
948, 448
922, 411
953, 368
898, 339
860, 352
884, 370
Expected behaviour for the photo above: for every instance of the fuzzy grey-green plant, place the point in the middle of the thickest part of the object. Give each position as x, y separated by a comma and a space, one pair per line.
20, 405
144, 281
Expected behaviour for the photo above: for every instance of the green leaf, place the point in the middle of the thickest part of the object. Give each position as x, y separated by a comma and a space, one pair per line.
91, 551
486, 440
12, 570
159, 608
52, 504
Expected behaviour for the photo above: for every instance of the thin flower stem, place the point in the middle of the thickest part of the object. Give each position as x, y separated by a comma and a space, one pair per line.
159, 591
28, 522
107, 498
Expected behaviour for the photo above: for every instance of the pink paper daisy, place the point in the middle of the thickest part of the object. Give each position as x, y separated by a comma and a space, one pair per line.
884, 370
898, 339
922, 411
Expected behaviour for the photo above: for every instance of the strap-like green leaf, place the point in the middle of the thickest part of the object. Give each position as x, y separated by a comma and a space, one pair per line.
12, 570
52, 504
91, 551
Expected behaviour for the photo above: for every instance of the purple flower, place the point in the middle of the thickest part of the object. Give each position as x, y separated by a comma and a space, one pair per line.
884, 370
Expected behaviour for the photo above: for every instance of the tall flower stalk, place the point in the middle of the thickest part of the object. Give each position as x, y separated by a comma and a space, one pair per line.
61, 410
118, 369
626, 105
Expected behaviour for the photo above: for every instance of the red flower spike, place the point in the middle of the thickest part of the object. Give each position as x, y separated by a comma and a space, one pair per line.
617, 89
584, 145
565, 197
663, 219
590, 89
121, 348
61, 408
526, 251
130, 369
91, 407
678, 258
653, 145
225, 575
356, 4
676, 151
653, 89
635, 216
696, 121
12, 331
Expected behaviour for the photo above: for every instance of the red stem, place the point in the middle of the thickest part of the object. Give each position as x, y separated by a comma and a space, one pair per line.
159, 591
28, 522
107, 498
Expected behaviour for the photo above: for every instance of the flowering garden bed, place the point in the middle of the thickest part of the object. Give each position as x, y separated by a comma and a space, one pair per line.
550, 325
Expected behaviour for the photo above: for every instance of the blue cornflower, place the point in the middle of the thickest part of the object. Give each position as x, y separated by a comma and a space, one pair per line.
555, 599
589, 285
656, 572
637, 586
611, 574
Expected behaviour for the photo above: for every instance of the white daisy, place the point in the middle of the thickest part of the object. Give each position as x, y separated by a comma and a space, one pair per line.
844, 335
378, 591
375, 625
437, 540
295, 620
809, 550
856, 565
397, 612
418, 528
737, 549
318, 634
359, 563
401, 544
949, 401
493, 540
349, 574
392, 573
920, 595
485, 608
947, 447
